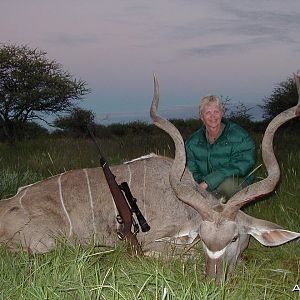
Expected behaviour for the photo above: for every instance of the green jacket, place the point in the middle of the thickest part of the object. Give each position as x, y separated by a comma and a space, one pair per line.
232, 154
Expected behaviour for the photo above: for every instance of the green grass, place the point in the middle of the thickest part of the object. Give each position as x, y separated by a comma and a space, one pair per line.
25, 162
73, 272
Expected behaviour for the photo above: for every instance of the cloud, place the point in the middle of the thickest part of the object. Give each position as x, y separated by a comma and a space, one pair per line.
226, 48
232, 26
70, 39
278, 25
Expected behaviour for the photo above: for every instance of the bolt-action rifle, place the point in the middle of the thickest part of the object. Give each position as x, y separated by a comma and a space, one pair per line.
125, 217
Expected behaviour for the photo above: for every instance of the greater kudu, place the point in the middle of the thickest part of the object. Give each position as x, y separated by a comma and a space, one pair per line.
78, 205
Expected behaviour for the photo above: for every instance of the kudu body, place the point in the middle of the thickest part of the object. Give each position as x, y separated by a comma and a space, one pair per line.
78, 205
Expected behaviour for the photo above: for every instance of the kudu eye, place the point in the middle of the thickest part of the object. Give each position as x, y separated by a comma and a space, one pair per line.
234, 239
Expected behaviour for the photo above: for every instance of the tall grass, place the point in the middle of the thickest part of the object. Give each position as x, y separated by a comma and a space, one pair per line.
73, 272
28, 161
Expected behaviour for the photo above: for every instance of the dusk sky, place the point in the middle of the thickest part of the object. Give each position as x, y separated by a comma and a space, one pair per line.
235, 48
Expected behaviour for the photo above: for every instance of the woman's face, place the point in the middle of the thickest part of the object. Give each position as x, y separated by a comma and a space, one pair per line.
211, 115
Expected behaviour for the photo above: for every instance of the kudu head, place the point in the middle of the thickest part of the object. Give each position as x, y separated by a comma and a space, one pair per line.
223, 229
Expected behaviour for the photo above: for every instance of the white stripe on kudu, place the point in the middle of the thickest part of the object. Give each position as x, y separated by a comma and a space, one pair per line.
63, 205
91, 198
129, 171
144, 189
20, 199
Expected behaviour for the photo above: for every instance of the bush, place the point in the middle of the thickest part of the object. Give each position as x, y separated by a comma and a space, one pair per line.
283, 97
27, 130
75, 124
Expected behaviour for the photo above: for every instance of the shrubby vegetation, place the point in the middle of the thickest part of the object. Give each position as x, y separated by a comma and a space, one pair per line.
75, 124
283, 97
139, 128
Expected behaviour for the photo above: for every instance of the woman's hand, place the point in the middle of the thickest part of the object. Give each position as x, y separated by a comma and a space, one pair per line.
203, 185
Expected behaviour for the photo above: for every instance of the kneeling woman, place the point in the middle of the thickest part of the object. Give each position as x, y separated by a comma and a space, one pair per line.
221, 154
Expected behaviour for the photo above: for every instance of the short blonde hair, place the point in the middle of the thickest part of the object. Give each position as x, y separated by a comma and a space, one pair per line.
211, 99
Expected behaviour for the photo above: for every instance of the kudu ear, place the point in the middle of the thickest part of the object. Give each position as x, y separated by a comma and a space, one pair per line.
186, 235
268, 233
273, 237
